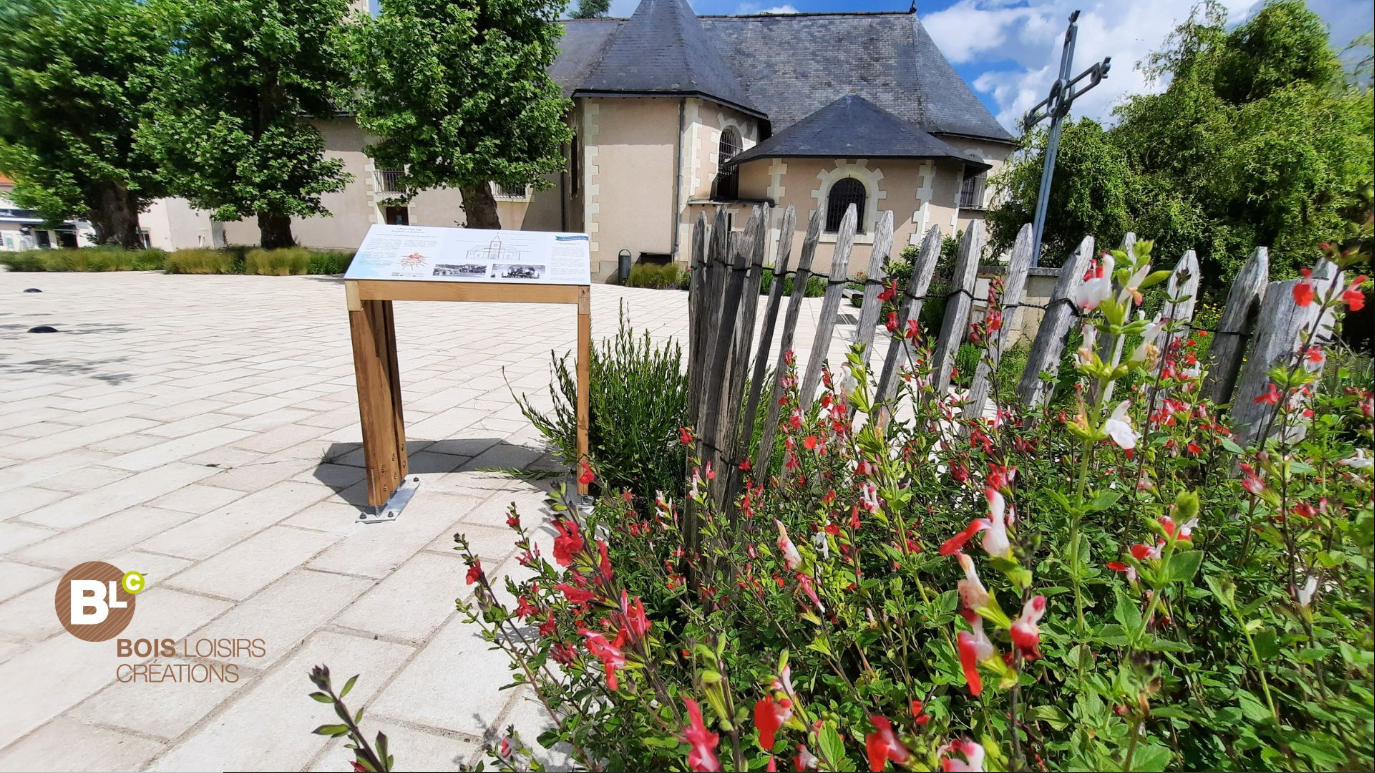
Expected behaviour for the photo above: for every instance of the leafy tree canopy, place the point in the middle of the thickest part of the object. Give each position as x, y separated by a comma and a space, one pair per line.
591, 9
229, 110
74, 76
1257, 140
458, 95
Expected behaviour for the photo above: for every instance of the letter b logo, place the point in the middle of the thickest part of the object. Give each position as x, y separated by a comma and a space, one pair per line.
92, 602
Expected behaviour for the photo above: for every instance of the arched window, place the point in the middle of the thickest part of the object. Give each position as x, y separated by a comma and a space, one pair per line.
728, 178
843, 194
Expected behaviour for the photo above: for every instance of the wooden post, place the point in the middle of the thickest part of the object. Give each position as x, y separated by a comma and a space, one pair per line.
736, 445
1234, 327
379, 397
785, 343
584, 374
830, 306
712, 445
953, 327
1014, 286
697, 289
1281, 323
915, 297
869, 311
1051, 337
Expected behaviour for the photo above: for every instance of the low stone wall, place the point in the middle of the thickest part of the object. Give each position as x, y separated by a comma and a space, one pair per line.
1040, 282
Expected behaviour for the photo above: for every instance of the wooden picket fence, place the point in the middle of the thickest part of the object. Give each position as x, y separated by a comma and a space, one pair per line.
1259, 327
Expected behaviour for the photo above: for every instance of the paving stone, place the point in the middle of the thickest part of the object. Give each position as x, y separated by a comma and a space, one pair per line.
411, 748
427, 691
15, 578
164, 710
412, 601
197, 498
249, 566
76, 437
277, 704
213, 532
82, 479
66, 744
25, 498
177, 449
378, 549
35, 470
14, 535
491, 544
103, 537
113, 497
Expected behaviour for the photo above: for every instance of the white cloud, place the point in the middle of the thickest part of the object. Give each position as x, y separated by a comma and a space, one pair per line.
1021, 42
748, 8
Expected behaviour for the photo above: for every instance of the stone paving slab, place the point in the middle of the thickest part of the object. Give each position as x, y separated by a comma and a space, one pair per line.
204, 430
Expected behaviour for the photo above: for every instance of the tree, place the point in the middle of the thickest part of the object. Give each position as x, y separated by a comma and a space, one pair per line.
1257, 140
458, 95
74, 76
229, 123
591, 9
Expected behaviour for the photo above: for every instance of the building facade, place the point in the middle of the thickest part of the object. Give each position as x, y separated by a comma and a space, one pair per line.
22, 229
675, 114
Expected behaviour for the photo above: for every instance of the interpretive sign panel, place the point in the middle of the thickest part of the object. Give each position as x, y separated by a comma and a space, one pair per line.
472, 255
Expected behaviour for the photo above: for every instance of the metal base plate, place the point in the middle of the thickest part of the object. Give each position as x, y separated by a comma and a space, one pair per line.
394, 505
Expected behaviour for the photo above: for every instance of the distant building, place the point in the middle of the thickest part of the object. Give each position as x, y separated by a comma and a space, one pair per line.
675, 114
23, 229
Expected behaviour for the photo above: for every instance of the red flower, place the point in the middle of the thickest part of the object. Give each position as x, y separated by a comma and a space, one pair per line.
604, 567
1026, 631
969, 662
958, 541
702, 757
635, 621
525, 609
586, 477
1271, 396
769, 715
890, 291
892, 323
919, 713
575, 596
912, 330
608, 652
1303, 291
810, 442
685, 436
883, 745
475, 571
1355, 299
568, 543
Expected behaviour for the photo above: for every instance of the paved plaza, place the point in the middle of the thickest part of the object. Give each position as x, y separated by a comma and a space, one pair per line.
204, 431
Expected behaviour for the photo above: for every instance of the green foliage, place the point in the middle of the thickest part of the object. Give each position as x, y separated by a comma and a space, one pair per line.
457, 93
816, 284
228, 111
74, 76
638, 401
205, 261
654, 276
1256, 140
591, 9
84, 259
296, 260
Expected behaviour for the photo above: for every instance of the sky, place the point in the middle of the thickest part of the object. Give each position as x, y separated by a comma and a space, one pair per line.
1008, 51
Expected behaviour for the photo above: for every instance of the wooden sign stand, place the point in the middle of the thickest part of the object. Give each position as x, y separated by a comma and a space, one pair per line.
378, 376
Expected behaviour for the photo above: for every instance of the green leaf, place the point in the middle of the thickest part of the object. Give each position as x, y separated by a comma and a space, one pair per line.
348, 686
1252, 707
320, 697
334, 731
831, 746
1151, 757
1126, 612
1183, 566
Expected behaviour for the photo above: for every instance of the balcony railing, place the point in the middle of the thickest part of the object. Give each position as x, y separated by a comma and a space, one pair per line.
972, 192
389, 180
521, 194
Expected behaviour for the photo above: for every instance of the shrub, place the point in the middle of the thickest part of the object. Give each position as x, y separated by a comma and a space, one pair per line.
638, 401
84, 259
287, 261
653, 276
205, 261
1089, 593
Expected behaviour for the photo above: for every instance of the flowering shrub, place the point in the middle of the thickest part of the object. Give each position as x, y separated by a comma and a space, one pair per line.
917, 588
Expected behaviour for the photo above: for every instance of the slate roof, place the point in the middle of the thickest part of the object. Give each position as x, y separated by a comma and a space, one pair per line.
663, 49
781, 67
853, 126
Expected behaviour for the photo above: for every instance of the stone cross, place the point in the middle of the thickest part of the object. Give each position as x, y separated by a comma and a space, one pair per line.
1056, 107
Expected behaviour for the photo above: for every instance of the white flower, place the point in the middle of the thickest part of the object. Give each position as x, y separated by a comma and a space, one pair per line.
1119, 427
995, 536
819, 542
1358, 460
1310, 586
1149, 340
1096, 287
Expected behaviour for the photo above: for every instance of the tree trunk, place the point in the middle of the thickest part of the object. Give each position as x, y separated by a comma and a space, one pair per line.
114, 216
480, 206
274, 231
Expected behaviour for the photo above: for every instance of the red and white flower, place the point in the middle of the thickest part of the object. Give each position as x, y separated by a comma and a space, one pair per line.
791, 558
1026, 630
1119, 427
974, 647
962, 756
1097, 284
883, 745
702, 755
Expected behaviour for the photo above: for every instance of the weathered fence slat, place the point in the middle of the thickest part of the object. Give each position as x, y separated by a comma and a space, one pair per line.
1182, 285
731, 441
1281, 321
869, 311
954, 326
712, 426
830, 306
922, 271
1234, 327
761, 356
1014, 286
696, 290
1110, 347
785, 342
1054, 331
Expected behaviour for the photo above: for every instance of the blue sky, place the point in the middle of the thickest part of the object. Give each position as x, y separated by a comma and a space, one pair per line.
1009, 50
